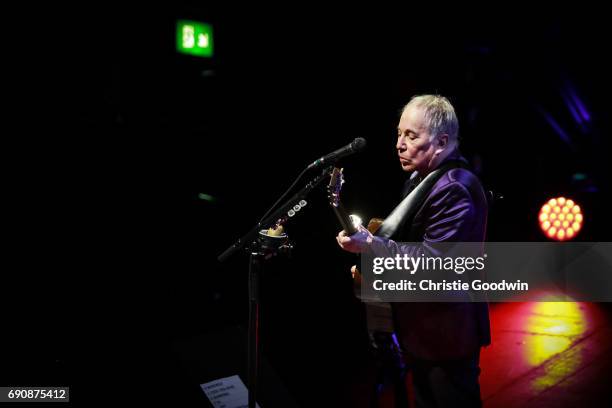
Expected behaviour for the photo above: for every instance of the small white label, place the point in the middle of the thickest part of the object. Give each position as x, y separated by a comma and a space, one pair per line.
228, 392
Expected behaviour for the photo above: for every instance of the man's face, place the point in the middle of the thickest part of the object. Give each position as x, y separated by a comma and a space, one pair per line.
414, 149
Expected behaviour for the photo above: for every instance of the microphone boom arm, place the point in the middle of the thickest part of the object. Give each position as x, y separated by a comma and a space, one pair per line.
249, 238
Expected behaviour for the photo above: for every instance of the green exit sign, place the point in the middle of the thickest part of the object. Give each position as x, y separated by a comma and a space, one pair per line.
194, 38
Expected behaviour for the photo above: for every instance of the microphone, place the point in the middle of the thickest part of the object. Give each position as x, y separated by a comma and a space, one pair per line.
355, 146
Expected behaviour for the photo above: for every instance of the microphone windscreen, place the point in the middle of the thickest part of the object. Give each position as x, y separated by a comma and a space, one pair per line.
359, 144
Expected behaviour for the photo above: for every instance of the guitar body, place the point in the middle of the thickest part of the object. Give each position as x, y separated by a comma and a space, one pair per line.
379, 317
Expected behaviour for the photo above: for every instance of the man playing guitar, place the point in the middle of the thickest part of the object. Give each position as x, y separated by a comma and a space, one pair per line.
438, 342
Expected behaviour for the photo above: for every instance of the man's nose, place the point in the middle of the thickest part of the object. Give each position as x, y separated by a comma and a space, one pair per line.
401, 144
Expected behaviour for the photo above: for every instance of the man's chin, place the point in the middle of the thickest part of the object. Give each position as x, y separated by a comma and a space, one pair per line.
408, 167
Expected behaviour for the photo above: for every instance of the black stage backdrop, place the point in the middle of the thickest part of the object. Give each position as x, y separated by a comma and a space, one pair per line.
117, 137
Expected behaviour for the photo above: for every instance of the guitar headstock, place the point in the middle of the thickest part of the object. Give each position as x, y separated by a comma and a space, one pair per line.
335, 185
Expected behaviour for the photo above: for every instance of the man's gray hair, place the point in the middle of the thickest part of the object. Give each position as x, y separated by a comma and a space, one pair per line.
440, 115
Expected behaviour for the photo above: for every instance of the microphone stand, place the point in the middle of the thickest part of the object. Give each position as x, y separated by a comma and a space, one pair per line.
262, 246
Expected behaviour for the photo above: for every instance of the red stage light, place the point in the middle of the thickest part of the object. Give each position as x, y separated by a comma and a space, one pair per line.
560, 218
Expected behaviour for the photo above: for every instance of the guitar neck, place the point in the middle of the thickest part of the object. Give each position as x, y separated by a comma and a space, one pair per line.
345, 220
333, 190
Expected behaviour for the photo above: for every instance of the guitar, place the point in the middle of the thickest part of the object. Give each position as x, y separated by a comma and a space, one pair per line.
378, 314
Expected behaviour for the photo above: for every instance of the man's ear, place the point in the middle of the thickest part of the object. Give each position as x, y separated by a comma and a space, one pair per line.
441, 143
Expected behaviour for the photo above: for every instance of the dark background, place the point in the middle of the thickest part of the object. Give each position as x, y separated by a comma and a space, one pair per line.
111, 137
